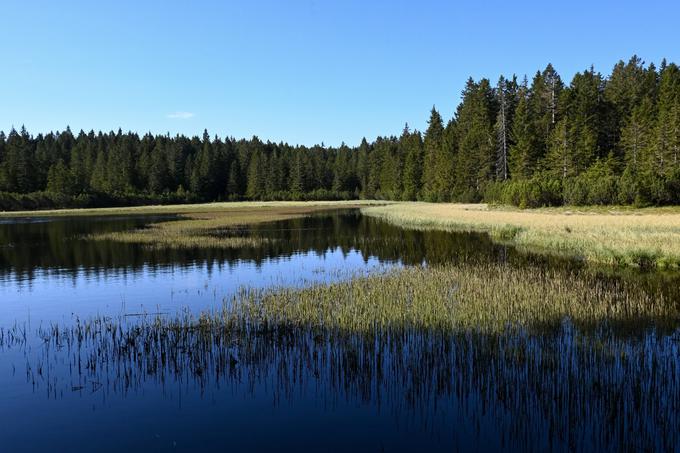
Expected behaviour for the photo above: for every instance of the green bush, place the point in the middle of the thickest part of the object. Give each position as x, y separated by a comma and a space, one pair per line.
536, 192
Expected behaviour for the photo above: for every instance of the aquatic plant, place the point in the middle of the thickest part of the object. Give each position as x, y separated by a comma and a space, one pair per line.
562, 389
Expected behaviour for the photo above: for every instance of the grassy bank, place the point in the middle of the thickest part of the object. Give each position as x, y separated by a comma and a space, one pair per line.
211, 225
619, 236
191, 209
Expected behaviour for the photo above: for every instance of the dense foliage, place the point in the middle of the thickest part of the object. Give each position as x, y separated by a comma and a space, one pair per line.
599, 140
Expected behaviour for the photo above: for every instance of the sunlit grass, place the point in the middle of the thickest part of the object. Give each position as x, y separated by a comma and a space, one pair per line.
643, 237
214, 228
487, 297
193, 208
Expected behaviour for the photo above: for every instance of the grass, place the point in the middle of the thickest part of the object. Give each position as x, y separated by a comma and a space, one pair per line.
211, 226
449, 298
625, 236
522, 341
610, 235
160, 236
347, 342
191, 209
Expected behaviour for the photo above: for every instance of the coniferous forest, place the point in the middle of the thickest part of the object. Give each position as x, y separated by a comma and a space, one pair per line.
529, 142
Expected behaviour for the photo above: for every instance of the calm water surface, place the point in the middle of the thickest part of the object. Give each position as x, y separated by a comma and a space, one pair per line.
561, 389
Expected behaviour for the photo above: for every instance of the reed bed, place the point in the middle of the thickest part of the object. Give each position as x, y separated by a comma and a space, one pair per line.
450, 298
213, 227
560, 390
170, 236
625, 237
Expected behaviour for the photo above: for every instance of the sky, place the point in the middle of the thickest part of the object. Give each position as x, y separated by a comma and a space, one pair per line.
303, 72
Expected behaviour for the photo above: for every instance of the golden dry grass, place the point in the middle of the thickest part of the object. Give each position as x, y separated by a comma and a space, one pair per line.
642, 237
191, 208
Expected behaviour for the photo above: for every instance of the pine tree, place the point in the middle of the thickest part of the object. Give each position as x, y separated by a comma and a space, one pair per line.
667, 146
234, 184
363, 156
202, 180
559, 161
99, 180
3, 176
625, 89
82, 162
158, 170
505, 102
255, 189
375, 164
546, 89
637, 136
579, 142
19, 165
411, 144
433, 144
120, 164
59, 179
524, 151
297, 176
390, 180
476, 143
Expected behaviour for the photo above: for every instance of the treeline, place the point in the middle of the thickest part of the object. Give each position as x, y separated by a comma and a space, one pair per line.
598, 140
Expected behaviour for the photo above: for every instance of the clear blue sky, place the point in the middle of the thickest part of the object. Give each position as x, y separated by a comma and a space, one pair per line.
307, 71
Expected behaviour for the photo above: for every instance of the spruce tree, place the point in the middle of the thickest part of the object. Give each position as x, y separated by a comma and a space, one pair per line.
432, 144
476, 142
502, 128
524, 151
411, 145
667, 144
59, 179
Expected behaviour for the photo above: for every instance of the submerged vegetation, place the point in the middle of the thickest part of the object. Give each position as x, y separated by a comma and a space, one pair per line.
643, 238
518, 348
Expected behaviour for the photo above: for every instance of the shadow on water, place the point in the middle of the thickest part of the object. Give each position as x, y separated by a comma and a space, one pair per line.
31, 247
561, 390
166, 383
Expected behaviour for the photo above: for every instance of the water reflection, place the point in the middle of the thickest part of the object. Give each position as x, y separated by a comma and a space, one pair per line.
71, 387
562, 390
41, 258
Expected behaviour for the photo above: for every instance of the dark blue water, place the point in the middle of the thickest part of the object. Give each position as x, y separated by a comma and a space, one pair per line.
561, 389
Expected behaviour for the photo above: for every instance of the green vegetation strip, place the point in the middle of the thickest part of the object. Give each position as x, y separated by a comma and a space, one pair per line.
642, 238
212, 226
455, 298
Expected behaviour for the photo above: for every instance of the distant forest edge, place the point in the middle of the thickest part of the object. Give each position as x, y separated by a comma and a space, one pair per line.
599, 140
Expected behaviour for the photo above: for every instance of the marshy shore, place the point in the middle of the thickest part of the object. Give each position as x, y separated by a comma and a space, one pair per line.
608, 235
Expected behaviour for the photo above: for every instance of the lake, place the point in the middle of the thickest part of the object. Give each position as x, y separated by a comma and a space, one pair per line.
564, 388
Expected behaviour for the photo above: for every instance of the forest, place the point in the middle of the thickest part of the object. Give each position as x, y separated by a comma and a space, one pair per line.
540, 142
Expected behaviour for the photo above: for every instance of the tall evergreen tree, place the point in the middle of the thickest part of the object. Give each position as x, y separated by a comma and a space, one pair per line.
667, 146
476, 142
411, 145
59, 179
524, 151
433, 145
637, 136
505, 100
544, 99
